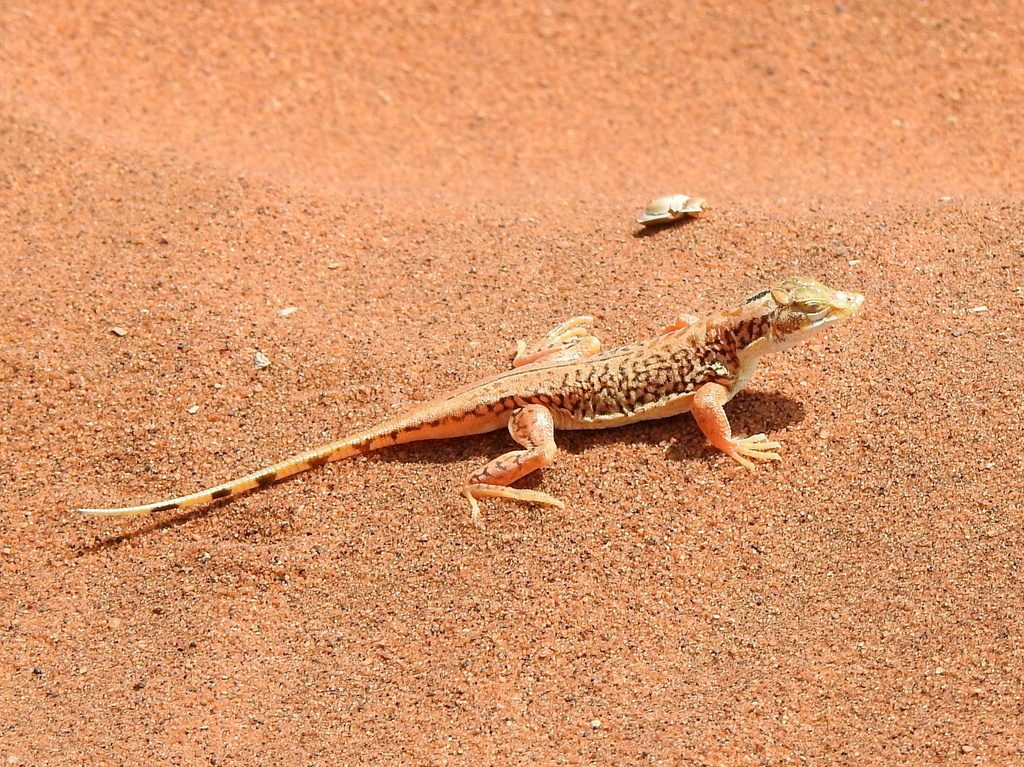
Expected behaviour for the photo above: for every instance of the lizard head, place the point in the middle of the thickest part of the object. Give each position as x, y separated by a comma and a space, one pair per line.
798, 307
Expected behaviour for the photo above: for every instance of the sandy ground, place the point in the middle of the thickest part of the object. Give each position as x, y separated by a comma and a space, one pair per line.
426, 183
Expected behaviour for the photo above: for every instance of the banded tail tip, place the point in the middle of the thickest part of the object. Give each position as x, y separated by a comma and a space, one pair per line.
129, 511
112, 512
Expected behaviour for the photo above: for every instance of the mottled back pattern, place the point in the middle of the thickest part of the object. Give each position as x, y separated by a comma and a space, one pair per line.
625, 383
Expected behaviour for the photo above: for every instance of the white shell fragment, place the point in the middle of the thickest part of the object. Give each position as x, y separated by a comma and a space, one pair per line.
671, 208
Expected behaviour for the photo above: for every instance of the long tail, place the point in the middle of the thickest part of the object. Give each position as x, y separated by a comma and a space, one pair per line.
384, 435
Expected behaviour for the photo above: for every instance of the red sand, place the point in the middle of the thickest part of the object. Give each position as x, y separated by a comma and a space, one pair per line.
427, 183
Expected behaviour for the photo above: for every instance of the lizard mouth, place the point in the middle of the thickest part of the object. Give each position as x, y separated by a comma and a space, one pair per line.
846, 304
839, 306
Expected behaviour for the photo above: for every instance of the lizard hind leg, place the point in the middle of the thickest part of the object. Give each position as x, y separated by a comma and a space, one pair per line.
533, 427
569, 341
682, 322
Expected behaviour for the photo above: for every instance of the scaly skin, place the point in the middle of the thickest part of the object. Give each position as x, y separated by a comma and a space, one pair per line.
564, 381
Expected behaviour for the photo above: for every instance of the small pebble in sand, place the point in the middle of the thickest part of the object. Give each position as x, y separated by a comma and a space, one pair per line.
261, 360
287, 311
120, 332
665, 210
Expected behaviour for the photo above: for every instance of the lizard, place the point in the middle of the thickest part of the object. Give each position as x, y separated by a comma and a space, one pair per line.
565, 381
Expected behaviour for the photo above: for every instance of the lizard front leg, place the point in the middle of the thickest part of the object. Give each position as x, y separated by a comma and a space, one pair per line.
569, 341
533, 427
709, 411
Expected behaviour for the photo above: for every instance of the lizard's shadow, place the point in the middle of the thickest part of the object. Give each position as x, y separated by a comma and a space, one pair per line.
749, 413
651, 231
102, 543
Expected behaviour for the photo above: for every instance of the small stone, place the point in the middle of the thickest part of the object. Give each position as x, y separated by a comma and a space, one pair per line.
289, 310
193, 410
261, 360
119, 332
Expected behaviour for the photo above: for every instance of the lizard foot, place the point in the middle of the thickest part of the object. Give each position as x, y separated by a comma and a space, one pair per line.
570, 340
682, 322
756, 446
475, 491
